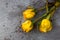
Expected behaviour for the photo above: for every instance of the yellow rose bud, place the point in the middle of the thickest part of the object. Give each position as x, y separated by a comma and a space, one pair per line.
28, 14
45, 25
27, 26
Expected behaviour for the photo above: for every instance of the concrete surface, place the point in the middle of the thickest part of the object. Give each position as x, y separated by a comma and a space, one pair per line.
11, 18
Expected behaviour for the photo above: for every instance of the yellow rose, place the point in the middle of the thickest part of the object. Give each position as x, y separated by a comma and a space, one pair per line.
27, 26
28, 14
45, 25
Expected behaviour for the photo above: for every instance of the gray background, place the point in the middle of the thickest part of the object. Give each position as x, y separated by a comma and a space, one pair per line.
11, 18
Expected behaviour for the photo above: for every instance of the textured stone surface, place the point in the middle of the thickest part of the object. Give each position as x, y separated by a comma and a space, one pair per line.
11, 18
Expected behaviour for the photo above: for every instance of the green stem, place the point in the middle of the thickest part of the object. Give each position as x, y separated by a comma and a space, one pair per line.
40, 9
50, 15
58, 0
44, 14
52, 9
47, 6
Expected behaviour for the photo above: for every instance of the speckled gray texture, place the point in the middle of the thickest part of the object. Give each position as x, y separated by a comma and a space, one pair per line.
11, 18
